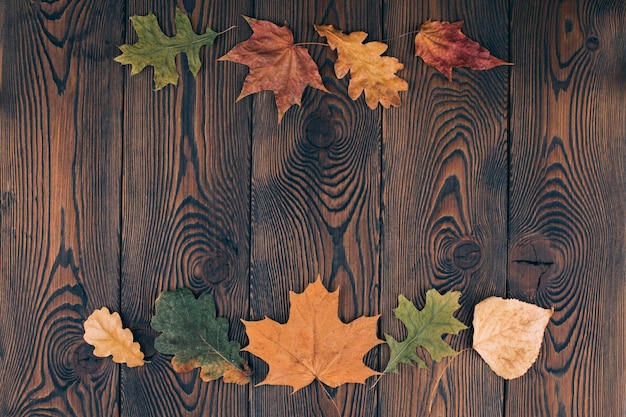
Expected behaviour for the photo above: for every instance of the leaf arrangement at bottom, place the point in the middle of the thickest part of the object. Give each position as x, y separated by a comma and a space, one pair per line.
316, 344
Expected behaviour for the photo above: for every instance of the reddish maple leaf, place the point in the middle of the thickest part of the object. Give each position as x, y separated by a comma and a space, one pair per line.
443, 46
276, 64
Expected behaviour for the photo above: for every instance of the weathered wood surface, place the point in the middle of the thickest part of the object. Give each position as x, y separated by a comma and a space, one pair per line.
185, 209
61, 139
504, 182
566, 199
316, 202
445, 202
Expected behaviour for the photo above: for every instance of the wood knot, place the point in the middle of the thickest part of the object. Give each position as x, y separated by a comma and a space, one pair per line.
84, 362
214, 268
321, 132
532, 264
145, 337
592, 43
466, 254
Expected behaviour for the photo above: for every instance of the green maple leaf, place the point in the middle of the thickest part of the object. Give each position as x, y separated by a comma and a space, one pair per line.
192, 332
425, 329
159, 50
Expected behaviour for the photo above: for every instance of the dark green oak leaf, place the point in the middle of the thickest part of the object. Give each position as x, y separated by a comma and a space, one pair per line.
157, 49
197, 338
424, 329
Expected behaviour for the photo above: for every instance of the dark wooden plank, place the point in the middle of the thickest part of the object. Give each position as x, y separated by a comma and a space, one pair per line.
568, 130
60, 102
315, 201
445, 201
186, 208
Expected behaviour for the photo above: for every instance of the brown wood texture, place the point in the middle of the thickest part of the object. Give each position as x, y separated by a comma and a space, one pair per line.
567, 193
61, 135
185, 208
316, 202
508, 182
445, 202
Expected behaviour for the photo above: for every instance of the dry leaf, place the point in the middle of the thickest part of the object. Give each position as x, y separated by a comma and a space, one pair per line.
158, 50
443, 46
508, 334
104, 331
425, 329
192, 332
276, 64
314, 343
369, 71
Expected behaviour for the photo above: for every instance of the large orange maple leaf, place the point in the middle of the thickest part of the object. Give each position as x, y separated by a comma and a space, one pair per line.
314, 343
276, 64
443, 46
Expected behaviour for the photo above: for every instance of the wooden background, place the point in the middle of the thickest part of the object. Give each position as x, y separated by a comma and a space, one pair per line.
505, 182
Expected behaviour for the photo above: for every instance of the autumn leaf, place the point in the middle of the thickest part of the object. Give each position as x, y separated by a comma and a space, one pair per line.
369, 71
424, 329
443, 46
314, 343
508, 334
159, 50
191, 332
104, 331
276, 64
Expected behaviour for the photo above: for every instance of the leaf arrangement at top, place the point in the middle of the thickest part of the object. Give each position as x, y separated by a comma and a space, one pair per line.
278, 64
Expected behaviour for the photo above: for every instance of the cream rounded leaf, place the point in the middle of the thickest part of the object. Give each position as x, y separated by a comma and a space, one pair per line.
508, 334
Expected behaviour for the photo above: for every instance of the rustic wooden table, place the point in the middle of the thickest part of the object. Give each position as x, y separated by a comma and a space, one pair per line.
505, 182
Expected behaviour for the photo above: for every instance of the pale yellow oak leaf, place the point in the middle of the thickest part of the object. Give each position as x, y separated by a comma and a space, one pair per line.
104, 331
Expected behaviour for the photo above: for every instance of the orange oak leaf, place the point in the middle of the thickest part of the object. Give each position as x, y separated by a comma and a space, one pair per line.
369, 72
276, 64
443, 46
314, 343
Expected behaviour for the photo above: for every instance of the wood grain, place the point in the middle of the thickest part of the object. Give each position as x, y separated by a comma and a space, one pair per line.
568, 130
316, 202
185, 208
445, 202
60, 101
111, 193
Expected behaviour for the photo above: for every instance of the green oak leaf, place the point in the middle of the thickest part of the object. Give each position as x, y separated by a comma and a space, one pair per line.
192, 332
424, 329
159, 50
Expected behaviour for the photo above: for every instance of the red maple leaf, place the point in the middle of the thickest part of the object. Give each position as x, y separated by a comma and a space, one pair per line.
276, 64
443, 46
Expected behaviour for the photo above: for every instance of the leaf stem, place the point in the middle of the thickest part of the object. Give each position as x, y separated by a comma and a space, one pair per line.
332, 400
224, 31
311, 43
400, 36
377, 380
433, 391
